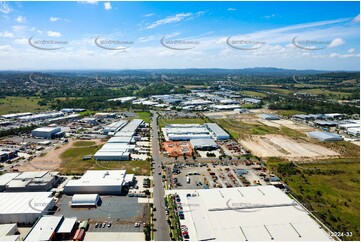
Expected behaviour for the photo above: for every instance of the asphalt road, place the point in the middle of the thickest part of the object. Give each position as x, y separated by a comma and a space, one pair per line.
161, 226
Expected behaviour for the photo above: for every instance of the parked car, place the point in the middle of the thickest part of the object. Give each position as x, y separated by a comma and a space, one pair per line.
96, 225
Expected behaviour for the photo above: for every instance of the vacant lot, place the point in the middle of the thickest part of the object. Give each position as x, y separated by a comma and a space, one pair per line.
72, 161
20, 105
329, 188
282, 146
145, 116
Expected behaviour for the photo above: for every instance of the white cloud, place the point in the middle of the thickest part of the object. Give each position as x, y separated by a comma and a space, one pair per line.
356, 19
107, 6
352, 50
4, 7
270, 16
336, 42
20, 19
53, 34
6, 34
149, 15
231, 9
54, 19
21, 41
89, 2
337, 55
5, 47
17, 28
173, 19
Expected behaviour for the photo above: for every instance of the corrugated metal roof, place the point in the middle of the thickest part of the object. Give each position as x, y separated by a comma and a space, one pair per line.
7, 177
67, 225
324, 135
44, 229
259, 213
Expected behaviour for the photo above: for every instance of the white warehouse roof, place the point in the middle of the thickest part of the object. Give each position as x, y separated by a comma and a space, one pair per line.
217, 131
99, 178
48, 129
44, 229
256, 213
24, 202
325, 136
100, 182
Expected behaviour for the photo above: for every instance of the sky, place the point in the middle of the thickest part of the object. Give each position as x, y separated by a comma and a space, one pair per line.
156, 35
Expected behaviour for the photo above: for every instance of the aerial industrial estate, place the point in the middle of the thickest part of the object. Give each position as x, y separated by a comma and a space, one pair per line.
202, 165
153, 123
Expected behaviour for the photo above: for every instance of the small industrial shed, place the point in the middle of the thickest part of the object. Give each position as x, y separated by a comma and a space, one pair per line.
269, 116
324, 136
85, 200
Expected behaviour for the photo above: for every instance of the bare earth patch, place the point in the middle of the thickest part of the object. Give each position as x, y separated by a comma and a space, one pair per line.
50, 161
292, 125
279, 145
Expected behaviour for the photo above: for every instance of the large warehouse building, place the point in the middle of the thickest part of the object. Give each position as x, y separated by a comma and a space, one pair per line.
120, 147
185, 132
97, 182
25, 207
258, 213
114, 127
47, 132
324, 136
217, 132
179, 132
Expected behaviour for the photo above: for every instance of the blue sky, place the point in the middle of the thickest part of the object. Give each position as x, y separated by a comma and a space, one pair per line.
294, 35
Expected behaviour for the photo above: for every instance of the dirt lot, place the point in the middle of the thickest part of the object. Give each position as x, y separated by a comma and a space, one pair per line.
278, 145
292, 125
50, 161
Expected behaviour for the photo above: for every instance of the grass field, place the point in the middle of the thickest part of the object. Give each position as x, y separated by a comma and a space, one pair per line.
253, 94
328, 188
145, 116
239, 129
20, 105
288, 113
325, 92
163, 122
84, 143
73, 163
194, 86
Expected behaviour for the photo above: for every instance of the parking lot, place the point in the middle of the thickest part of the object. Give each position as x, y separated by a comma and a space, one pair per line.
115, 227
216, 174
113, 208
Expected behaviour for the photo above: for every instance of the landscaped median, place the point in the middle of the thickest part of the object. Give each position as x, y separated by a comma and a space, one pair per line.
175, 231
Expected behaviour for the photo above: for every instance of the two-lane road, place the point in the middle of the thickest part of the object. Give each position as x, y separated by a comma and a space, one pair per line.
161, 226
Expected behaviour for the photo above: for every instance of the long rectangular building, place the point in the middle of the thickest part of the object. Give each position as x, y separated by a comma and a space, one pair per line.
217, 132
25, 207
97, 182
260, 213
